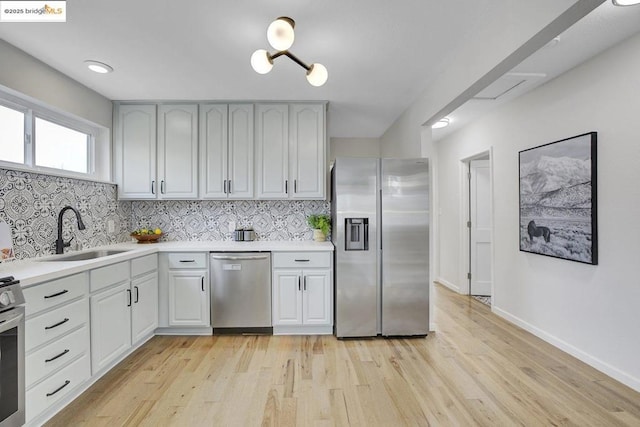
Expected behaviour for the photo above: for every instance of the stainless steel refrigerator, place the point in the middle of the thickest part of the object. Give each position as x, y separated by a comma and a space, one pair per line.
380, 214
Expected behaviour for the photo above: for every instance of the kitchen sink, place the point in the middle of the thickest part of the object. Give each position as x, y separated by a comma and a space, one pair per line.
83, 256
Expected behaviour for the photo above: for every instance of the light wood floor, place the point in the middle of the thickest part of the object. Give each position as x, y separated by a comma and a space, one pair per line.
475, 370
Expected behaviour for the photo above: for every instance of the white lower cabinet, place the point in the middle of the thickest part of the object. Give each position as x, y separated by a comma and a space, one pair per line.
188, 298
123, 313
56, 341
302, 298
110, 325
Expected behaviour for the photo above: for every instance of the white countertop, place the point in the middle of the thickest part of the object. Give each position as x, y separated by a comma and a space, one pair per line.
36, 270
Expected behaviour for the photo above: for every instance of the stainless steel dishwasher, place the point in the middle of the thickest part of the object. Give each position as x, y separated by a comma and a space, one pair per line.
241, 292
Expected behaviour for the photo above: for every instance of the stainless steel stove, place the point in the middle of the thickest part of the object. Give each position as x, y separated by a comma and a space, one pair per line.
12, 394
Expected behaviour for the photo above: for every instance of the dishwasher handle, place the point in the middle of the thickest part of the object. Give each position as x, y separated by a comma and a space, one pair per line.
239, 258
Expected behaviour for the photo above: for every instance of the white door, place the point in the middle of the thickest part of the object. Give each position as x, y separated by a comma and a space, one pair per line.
240, 176
178, 151
480, 216
287, 297
110, 325
316, 297
272, 151
135, 151
213, 151
188, 298
307, 151
144, 316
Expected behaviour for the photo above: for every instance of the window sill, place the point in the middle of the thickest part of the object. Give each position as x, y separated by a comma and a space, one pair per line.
53, 172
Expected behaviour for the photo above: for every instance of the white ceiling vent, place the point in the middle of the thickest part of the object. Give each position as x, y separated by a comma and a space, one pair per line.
510, 83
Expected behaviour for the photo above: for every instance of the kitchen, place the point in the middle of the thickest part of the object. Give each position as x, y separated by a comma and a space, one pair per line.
109, 218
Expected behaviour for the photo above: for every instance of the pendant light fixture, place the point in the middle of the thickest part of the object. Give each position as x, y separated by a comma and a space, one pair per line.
280, 35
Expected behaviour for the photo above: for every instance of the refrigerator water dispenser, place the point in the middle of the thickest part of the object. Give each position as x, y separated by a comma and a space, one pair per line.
356, 234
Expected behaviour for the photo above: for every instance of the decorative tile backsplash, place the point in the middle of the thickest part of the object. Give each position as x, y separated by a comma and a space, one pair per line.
30, 203
210, 219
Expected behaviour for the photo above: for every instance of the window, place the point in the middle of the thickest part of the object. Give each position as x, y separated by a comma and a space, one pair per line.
34, 137
59, 147
11, 135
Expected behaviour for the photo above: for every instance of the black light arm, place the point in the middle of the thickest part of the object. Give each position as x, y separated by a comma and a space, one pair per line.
291, 56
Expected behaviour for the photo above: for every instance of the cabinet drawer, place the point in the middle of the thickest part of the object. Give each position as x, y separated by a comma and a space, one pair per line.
301, 259
187, 260
53, 324
144, 264
49, 359
45, 394
110, 275
56, 292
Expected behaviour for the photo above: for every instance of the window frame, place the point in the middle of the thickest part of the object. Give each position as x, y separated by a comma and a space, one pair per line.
32, 111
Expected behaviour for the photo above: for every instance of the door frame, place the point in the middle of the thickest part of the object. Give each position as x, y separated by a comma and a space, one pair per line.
465, 240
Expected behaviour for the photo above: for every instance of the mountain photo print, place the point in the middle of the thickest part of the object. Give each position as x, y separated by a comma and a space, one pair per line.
558, 199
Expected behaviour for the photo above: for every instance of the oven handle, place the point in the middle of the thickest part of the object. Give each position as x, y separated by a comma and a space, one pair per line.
11, 322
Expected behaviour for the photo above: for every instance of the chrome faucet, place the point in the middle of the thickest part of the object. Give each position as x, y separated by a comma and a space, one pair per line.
60, 243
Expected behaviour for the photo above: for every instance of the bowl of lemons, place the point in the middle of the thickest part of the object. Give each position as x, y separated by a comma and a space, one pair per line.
147, 235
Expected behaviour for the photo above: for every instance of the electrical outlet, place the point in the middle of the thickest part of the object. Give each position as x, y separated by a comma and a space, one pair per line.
232, 226
111, 227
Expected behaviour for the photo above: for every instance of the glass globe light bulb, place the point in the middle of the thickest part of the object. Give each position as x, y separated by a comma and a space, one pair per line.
260, 61
280, 33
317, 75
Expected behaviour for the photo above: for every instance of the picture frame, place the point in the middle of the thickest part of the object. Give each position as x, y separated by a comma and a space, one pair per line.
558, 199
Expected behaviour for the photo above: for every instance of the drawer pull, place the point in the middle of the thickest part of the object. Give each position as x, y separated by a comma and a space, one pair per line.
187, 260
57, 357
66, 319
128, 297
301, 260
57, 294
66, 383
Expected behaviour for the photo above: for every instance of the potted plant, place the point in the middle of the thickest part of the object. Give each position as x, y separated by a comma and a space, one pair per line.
321, 224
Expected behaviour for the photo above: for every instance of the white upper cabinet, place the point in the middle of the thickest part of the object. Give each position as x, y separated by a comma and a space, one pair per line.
226, 147
272, 147
177, 151
307, 151
135, 151
291, 151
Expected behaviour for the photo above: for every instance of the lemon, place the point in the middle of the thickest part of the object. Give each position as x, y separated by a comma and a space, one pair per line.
157, 231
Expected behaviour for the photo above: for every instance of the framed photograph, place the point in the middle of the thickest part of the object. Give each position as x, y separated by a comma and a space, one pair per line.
558, 199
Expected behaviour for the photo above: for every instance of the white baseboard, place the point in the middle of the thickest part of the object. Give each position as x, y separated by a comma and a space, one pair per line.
594, 362
448, 284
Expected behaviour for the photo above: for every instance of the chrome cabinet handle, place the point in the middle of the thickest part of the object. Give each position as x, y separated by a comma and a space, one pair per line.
229, 188
66, 319
224, 185
57, 294
66, 383
56, 357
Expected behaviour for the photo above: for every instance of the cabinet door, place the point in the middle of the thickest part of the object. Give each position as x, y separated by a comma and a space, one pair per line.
307, 151
240, 174
110, 325
316, 297
178, 151
188, 298
287, 297
213, 151
272, 146
144, 313
135, 151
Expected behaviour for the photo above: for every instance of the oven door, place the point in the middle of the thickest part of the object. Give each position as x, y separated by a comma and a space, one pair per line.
12, 394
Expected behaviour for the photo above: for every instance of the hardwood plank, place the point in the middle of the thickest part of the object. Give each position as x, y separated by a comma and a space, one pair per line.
477, 369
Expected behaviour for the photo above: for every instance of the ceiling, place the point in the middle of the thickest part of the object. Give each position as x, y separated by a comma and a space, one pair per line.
380, 56
604, 27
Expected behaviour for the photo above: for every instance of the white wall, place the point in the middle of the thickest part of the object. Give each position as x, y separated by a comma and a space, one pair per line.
354, 147
592, 312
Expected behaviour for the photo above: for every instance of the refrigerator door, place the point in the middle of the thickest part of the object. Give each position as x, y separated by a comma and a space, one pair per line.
356, 273
405, 246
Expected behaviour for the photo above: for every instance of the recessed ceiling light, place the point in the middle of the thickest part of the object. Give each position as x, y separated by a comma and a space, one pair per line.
441, 123
625, 2
98, 67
